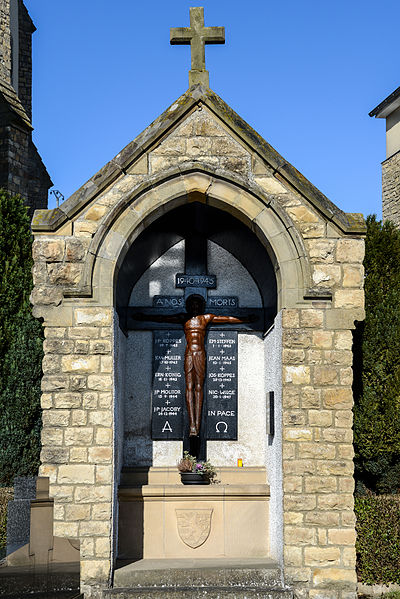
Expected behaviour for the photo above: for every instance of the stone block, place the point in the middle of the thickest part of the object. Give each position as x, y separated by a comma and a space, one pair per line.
349, 298
335, 467
79, 417
353, 276
95, 213
101, 511
65, 529
92, 316
324, 375
343, 340
103, 475
55, 417
342, 536
293, 338
94, 528
311, 318
337, 398
67, 274
77, 382
100, 455
67, 400
316, 451
297, 375
336, 577
54, 455
293, 356
320, 418
271, 185
100, 346
106, 364
78, 455
297, 503
95, 570
298, 536
294, 418
349, 557
82, 436
48, 250
104, 436
298, 466
321, 556
100, 382
321, 250
293, 484
326, 275
303, 214
52, 436
102, 547
293, 518
83, 333
337, 435
293, 556
297, 434
100, 417
172, 146
320, 484
92, 494
350, 250
339, 357
74, 512
80, 364
290, 318
76, 474
89, 401
58, 346
75, 248
322, 339
310, 397
81, 346
336, 501
54, 383
323, 518
51, 364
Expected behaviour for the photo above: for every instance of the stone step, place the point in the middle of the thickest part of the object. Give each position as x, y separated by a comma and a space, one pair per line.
188, 578
198, 593
223, 572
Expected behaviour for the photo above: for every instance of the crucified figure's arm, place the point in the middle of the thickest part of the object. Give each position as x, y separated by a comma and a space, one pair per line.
232, 319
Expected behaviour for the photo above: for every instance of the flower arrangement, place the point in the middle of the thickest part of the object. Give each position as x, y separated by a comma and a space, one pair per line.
190, 464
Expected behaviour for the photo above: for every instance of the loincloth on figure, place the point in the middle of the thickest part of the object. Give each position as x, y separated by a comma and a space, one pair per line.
195, 360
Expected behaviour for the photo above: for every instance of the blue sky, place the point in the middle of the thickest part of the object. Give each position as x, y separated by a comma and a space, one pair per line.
303, 74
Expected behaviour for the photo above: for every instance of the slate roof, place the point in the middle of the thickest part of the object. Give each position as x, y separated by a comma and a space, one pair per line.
387, 105
10, 103
51, 219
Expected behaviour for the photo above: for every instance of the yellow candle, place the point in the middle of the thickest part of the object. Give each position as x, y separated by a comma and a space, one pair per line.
240, 463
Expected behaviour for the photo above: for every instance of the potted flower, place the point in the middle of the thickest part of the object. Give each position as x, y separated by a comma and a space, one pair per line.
195, 472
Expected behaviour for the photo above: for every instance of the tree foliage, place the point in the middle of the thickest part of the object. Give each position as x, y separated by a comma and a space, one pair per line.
377, 400
20, 346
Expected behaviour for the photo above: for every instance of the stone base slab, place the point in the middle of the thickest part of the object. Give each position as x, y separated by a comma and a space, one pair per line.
205, 521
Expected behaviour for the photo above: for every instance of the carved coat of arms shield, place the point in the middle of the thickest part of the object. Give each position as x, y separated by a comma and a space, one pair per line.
194, 526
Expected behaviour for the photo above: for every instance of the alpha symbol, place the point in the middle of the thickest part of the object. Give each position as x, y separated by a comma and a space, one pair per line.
167, 427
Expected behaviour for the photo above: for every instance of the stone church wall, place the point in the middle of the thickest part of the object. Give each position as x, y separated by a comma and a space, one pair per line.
391, 189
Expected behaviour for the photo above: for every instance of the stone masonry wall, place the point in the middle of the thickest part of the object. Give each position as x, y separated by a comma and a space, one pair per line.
391, 189
5, 41
319, 520
77, 408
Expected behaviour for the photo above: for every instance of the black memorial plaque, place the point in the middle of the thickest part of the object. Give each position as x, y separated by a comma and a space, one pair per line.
221, 387
168, 396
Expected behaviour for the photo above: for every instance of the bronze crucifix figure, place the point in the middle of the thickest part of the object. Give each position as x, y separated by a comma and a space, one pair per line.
194, 323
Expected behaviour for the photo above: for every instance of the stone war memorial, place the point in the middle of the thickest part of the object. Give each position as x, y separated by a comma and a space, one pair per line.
199, 294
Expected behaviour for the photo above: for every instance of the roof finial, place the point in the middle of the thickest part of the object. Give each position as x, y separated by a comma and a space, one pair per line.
197, 36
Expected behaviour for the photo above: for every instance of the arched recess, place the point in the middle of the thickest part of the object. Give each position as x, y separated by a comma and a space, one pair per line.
260, 213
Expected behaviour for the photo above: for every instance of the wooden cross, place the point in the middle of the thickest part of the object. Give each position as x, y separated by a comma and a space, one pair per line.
197, 35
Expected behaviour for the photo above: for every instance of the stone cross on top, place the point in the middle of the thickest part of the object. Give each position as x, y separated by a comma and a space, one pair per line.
197, 36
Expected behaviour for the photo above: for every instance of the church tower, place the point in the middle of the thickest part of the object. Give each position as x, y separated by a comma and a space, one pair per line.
389, 109
21, 168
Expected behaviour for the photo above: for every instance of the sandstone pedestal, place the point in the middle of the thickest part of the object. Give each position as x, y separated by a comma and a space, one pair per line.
227, 519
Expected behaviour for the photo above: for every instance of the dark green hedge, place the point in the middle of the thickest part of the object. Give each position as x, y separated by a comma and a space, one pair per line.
21, 341
377, 364
378, 538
